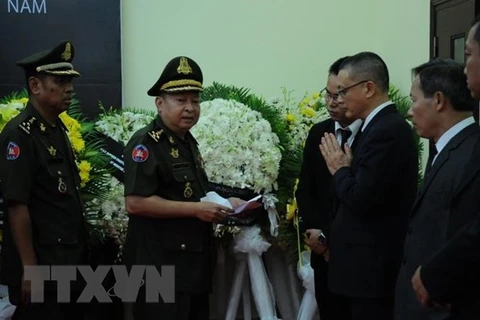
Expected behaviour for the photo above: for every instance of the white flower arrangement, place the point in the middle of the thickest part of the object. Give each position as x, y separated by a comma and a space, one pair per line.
238, 146
114, 219
120, 126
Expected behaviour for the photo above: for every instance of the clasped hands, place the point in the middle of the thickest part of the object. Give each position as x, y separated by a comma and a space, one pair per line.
335, 157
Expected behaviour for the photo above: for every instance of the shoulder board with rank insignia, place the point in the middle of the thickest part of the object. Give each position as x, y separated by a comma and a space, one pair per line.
155, 134
26, 125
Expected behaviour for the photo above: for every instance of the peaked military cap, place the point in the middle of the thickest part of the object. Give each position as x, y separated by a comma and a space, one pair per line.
180, 74
56, 61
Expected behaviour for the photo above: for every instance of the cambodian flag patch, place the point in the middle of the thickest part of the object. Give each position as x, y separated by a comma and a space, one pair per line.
13, 151
140, 153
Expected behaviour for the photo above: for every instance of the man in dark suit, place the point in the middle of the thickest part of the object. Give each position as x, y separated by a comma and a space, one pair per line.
315, 193
451, 278
376, 190
441, 110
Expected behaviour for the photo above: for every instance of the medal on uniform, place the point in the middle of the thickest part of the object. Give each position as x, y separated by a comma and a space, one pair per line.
42, 127
174, 153
52, 151
62, 186
187, 193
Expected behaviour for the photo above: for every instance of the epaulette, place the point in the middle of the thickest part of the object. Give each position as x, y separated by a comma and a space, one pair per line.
27, 123
155, 134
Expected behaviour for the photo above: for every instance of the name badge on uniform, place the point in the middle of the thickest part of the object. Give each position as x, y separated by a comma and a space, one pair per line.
188, 192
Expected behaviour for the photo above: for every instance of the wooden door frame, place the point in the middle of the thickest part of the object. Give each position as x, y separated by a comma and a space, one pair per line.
433, 4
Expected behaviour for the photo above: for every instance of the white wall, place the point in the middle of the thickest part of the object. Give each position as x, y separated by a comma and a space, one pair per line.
268, 44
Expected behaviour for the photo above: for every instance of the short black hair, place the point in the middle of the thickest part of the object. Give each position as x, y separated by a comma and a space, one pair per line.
476, 24
446, 76
335, 67
368, 66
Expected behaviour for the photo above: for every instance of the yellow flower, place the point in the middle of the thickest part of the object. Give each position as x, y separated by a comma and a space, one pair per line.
74, 134
23, 101
290, 117
291, 210
84, 167
77, 143
304, 102
308, 112
7, 113
316, 95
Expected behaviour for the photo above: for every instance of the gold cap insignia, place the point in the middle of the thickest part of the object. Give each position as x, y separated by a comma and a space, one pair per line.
188, 192
184, 67
67, 54
174, 153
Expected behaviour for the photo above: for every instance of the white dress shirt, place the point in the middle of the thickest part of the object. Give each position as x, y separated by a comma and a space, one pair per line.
450, 134
374, 113
354, 127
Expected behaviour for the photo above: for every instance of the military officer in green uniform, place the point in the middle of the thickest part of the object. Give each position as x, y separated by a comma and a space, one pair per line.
164, 182
40, 184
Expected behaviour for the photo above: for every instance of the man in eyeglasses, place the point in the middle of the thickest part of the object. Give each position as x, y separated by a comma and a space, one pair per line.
376, 190
316, 194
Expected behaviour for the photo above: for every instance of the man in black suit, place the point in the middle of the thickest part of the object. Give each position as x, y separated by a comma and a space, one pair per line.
315, 193
441, 110
376, 190
451, 278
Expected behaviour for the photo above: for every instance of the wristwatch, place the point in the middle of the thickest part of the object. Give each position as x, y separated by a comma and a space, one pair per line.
322, 238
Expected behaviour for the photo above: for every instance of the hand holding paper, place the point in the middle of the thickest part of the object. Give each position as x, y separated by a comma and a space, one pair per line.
245, 206
249, 205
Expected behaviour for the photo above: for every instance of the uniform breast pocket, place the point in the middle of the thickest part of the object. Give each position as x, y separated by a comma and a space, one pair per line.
58, 181
184, 180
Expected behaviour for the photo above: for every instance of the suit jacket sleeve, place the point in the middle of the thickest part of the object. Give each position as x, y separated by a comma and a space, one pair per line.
313, 210
382, 155
456, 266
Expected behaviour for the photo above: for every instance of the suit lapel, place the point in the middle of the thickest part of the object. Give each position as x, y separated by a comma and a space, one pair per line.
360, 137
471, 169
356, 139
443, 157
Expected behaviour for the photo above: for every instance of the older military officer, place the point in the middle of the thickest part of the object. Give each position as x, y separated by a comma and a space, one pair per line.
40, 181
164, 182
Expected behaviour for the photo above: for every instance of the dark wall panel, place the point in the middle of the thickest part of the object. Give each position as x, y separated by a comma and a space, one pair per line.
93, 26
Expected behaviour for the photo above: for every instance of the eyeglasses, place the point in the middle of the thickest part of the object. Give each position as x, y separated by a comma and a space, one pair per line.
342, 93
329, 96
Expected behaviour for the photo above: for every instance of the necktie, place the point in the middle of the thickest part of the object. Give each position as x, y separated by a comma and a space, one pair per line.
345, 133
433, 153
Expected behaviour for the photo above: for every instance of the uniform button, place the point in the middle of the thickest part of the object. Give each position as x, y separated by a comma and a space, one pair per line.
404, 260
59, 240
410, 230
183, 247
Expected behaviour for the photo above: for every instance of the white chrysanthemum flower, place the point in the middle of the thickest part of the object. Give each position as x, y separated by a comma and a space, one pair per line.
238, 146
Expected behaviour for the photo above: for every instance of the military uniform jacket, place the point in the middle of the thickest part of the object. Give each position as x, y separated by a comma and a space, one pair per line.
157, 162
37, 168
